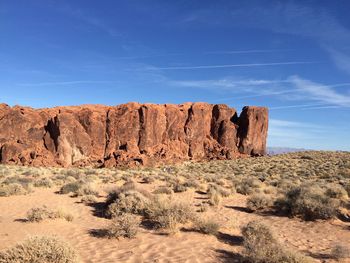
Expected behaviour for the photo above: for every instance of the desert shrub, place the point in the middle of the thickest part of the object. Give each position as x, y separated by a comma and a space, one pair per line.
72, 187
214, 198
124, 225
168, 213
212, 188
179, 188
247, 186
163, 190
203, 207
24, 181
309, 202
260, 246
40, 250
44, 182
61, 213
220, 181
39, 214
207, 226
88, 199
285, 185
86, 189
336, 191
340, 252
148, 179
12, 189
192, 183
347, 188
259, 202
67, 179
131, 201
270, 190
113, 195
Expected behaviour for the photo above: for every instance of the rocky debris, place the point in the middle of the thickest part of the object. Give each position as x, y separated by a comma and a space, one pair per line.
129, 134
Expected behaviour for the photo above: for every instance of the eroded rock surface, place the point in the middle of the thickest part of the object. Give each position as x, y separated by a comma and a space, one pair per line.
129, 134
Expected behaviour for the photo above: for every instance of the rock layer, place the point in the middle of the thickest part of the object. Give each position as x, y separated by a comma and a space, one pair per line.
129, 134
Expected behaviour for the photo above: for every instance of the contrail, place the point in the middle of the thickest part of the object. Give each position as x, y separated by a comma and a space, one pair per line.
297, 106
75, 82
248, 51
234, 65
254, 96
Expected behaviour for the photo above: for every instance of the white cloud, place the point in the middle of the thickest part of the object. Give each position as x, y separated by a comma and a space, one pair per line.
319, 92
340, 59
293, 88
296, 134
288, 17
292, 124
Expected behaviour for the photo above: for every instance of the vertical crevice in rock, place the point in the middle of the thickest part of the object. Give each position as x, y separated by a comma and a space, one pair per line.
2, 146
165, 134
242, 132
234, 118
214, 128
107, 133
188, 130
189, 117
52, 129
141, 127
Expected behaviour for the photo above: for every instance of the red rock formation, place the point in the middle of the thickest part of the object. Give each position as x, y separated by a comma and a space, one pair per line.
129, 134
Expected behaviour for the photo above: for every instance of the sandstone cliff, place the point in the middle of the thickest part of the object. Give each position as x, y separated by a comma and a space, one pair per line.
129, 134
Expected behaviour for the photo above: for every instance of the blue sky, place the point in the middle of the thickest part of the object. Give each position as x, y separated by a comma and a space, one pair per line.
291, 56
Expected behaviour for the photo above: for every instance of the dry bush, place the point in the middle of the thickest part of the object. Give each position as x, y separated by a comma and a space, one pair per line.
62, 213
310, 202
340, 252
167, 213
203, 207
148, 179
163, 190
192, 183
88, 199
124, 225
113, 195
12, 189
176, 184
212, 188
130, 201
260, 246
258, 202
207, 226
336, 191
24, 181
214, 198
347, 188
179, 188
40, 250
44, 182
248, 186
86, 189
72, 187
39, 214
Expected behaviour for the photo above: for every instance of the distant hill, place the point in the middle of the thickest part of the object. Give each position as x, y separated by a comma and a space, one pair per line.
281, 150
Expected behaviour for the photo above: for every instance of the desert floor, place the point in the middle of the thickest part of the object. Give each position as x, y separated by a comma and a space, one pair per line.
312, 238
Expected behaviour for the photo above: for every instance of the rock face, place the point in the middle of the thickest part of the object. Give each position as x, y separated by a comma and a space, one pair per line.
129, 134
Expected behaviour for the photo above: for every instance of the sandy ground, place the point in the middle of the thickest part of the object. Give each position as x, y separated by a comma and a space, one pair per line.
312, 238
